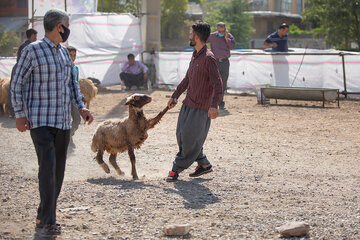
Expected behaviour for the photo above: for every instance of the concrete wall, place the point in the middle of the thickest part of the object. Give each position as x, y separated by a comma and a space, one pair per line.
150, 25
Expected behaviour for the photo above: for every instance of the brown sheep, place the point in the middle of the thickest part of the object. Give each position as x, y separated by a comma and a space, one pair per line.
4, 92
117, 136
88, 90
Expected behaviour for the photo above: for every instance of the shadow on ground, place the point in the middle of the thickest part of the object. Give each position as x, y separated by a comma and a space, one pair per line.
195, 195
120, 183
7, 122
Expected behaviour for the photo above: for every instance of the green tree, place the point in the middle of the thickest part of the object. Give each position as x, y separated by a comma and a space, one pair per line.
8, 41
173, 15
234, 14
338, 20
116, 6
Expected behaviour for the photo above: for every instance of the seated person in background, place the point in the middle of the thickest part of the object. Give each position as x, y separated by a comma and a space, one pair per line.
132, 75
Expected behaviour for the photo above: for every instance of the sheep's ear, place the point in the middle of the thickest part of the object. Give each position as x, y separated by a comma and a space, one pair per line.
129, 100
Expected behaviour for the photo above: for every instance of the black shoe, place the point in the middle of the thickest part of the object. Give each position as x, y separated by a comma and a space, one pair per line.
199, 170
48, 231
173, 176
222, 106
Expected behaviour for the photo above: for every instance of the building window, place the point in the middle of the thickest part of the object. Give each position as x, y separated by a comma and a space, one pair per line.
286, 6
299, 6
259, 5
21, 3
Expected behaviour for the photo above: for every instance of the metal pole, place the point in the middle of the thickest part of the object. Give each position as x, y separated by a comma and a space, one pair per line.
344, 75
101, 5
65, 6
32, 14
137, 8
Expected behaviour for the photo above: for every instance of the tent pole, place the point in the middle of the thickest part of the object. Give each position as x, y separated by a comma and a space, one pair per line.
344, 75
32, 14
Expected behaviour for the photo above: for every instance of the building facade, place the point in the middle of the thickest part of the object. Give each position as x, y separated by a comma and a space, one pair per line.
269, 14
14, 16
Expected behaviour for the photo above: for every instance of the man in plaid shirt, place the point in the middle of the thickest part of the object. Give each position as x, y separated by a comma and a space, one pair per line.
43, 86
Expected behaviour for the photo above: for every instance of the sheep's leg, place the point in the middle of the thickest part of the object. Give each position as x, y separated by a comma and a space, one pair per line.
88, 104
156, 120
112, 160
100, 161
133, 161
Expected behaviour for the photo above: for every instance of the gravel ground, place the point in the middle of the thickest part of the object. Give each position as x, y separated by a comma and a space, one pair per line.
272, 164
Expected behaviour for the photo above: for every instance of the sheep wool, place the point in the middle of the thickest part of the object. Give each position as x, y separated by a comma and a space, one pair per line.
117, 136
4, 91
88, 90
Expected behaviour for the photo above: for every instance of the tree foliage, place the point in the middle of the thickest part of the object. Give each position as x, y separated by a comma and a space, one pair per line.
339, 20
116, 6
173, 16
8, 41
234, 14
296, 31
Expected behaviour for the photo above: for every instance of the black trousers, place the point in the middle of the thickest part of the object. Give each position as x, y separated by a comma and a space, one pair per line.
51, 147
132, 79
10, 108
223, 66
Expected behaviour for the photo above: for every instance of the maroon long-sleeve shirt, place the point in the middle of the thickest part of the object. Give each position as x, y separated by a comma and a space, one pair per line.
202, 81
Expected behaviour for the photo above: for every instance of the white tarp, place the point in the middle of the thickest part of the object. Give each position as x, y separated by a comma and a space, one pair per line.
317, 69
72, 6
103, 42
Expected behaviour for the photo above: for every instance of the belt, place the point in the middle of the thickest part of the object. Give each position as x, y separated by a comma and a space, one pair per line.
221, 59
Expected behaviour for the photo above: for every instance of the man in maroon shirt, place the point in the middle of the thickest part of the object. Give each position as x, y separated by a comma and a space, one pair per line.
221, 42
204, 92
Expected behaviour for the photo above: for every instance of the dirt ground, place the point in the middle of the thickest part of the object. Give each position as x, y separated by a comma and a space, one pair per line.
272, 164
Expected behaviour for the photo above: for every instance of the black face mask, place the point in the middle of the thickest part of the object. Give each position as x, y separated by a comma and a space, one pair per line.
65, 34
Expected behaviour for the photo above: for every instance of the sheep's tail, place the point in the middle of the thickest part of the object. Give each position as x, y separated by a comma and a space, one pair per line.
94, 148
156, 120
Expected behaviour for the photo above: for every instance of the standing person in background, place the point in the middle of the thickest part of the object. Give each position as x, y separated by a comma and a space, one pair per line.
221, 42
204, 92
43, 86
75, 115
278, 40
31, 35
134, 73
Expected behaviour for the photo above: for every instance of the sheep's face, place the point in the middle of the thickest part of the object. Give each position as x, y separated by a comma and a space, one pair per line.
138, 100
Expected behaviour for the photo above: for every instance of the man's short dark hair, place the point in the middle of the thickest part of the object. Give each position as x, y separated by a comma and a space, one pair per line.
30, 32
130, 55
202, 29
71, 49
283, 25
